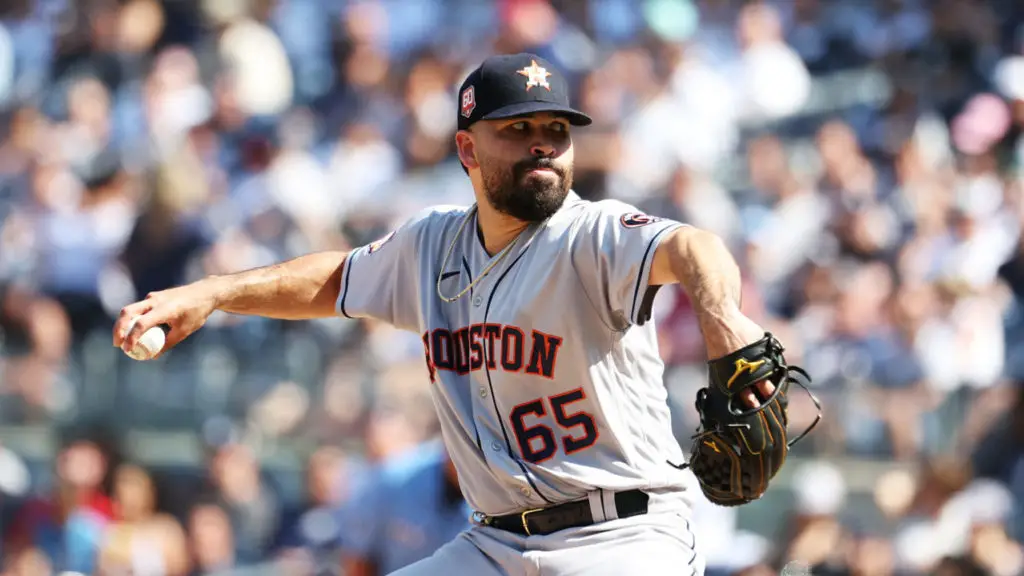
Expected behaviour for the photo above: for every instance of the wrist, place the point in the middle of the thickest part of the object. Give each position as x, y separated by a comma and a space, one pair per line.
726, 329
216, 289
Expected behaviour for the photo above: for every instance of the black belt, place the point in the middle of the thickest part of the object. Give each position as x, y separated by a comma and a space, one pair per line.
569, 515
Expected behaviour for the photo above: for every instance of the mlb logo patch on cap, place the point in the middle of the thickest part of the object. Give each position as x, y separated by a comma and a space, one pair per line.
468, 102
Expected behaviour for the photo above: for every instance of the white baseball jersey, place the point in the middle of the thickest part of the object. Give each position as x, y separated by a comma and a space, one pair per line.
546, 385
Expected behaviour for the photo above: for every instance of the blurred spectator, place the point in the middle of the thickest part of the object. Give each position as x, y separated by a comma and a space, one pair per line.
243, 493
403, 512
999, 456
27, 562
39, 337
726, 546
958, 566
774, 81
15, 482
168, 238
211, 540
66, 526
311, 532
80, 227
141, 540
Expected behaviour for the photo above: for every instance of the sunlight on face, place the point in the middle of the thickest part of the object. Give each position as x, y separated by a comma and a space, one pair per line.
526, 164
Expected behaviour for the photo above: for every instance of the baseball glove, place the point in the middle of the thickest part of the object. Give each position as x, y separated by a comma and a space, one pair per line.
738, 450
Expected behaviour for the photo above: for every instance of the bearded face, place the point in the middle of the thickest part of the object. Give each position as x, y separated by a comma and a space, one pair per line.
530, 190
526, 165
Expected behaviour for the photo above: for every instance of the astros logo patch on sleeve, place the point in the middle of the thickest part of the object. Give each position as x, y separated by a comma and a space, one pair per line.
376, 245
637, 219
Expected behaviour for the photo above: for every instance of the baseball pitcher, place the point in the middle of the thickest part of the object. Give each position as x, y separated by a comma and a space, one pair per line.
534, 308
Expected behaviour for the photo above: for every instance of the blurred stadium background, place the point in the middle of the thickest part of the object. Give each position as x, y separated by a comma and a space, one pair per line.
863, 158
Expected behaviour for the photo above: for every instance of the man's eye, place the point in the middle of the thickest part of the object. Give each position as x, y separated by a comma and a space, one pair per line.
519, 126
559, 127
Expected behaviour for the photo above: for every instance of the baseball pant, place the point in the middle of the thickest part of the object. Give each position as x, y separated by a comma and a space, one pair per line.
651, 545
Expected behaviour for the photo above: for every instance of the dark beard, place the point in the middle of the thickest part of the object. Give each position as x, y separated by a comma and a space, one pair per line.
532, 201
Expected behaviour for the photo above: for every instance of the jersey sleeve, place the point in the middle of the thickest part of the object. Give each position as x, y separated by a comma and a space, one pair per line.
613, 253
380, 280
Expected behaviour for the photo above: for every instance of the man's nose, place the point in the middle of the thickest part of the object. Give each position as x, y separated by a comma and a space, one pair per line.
542, 150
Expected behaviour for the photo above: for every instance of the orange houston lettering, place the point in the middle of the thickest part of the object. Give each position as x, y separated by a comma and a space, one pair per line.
512, 340
431, 370
441, 349
460, 339
543, 354
494, 346
492, 332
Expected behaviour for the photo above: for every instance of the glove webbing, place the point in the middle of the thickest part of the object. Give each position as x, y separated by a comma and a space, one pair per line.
794, 375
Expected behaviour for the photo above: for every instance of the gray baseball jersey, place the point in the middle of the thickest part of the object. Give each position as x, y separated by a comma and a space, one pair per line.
546, 384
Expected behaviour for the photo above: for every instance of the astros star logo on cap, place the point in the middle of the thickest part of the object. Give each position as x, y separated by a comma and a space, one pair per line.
536, 76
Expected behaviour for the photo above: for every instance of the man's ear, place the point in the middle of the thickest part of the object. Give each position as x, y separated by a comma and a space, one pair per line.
466, 147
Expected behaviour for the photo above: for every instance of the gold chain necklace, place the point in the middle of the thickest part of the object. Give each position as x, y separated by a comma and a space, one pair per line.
494, 262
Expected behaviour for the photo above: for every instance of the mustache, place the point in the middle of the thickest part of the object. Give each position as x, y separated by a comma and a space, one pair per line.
524, 166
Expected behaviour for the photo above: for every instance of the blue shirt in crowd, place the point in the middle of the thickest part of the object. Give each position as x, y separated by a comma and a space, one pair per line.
405, 511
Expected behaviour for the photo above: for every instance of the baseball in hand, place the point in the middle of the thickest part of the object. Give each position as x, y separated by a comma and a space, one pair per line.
149, 345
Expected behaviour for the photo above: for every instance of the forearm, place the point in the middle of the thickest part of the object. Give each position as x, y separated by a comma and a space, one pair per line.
703, 265
302, 288
707, 271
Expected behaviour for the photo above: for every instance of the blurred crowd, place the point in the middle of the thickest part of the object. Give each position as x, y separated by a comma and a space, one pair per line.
864, 159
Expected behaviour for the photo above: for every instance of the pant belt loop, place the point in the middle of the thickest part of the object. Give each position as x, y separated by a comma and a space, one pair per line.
611, 512
597, 506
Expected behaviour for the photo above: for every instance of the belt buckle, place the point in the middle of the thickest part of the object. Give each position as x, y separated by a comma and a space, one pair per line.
526, 526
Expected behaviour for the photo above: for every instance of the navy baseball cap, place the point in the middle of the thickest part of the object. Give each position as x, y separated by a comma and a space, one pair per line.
507, 86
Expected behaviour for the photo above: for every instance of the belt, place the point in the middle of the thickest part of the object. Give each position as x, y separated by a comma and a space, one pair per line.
543, 521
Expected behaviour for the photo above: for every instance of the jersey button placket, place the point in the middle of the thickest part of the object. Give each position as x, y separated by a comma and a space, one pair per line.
484, 409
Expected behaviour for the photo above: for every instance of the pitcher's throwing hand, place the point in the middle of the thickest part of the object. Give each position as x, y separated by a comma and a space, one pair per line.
183, 310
